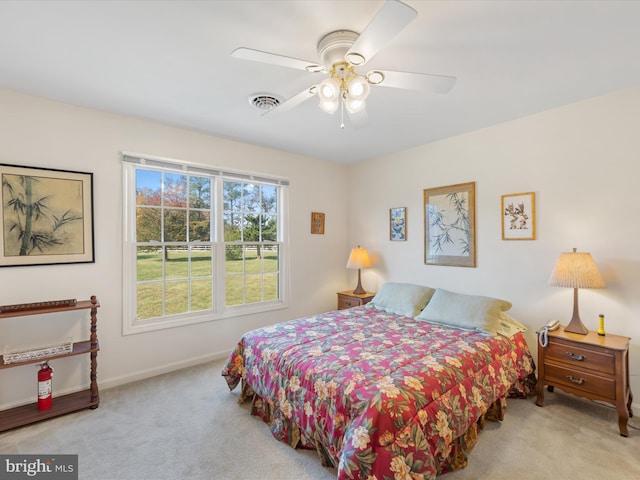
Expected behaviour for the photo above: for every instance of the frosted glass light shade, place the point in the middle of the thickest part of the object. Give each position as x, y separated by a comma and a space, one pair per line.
328, 90
358, 88
329, 106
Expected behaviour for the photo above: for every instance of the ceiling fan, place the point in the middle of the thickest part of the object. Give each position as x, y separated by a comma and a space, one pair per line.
341, 52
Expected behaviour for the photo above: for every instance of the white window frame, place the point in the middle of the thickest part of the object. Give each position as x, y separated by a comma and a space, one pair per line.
130, 324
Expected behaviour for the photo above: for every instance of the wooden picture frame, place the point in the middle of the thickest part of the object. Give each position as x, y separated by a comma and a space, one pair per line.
317, 223
450, 224
46, 216
398, 224
518, 216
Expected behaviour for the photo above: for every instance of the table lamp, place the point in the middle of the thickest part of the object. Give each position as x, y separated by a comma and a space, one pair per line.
359, 258
576, 270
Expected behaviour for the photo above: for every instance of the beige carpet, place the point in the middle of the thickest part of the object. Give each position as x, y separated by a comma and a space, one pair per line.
187, 425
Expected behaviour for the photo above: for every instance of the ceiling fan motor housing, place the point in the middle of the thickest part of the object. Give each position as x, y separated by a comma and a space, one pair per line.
333, 47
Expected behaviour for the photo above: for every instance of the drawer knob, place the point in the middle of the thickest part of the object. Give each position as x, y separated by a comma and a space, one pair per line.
577, 358
577, 381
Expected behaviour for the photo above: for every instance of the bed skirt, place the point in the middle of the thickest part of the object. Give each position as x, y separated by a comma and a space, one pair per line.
288, 432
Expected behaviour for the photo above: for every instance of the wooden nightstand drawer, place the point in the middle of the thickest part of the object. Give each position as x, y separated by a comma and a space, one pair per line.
578, 356
581, 380
347, 302
348, 299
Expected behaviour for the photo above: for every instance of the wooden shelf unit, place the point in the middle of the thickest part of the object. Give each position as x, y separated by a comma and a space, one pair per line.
89, 398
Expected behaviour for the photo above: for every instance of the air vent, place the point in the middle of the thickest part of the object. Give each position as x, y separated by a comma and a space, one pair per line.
264, 101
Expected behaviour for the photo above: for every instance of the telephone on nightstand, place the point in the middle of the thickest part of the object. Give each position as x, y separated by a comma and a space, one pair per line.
543, 338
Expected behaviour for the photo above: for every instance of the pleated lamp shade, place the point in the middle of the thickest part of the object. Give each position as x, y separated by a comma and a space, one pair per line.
576, 270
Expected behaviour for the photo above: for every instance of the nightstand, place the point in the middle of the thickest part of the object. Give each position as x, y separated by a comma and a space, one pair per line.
591, 366
348, 299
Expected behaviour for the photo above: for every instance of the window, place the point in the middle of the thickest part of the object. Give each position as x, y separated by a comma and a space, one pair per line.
200, 244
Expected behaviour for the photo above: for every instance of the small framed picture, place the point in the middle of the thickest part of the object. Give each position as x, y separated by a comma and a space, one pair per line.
398, 224
317, 223
519, 216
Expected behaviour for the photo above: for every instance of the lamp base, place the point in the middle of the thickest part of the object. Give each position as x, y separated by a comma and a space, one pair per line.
359, 290
576, 326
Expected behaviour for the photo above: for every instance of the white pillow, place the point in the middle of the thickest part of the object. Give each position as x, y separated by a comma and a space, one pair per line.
402, 298
473, 312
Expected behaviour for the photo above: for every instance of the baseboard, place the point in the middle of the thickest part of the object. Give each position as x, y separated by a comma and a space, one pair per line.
105, 383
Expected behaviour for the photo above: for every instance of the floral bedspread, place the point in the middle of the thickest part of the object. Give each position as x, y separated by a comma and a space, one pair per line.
380, 396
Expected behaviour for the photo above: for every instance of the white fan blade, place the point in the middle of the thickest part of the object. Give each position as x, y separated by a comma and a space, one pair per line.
417, 81
388, 22
359, 119
274, 59
293, 101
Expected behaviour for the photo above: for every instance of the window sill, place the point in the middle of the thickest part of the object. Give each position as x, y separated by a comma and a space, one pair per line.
174, 321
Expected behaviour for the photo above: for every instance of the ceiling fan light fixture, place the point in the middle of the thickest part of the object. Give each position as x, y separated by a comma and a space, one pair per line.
358, 88
328, 90
354, 105
329, 106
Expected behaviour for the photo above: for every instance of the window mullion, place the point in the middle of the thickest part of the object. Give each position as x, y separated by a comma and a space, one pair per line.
220, 247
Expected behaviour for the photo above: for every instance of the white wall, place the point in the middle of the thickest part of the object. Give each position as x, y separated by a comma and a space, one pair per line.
580, 160
38, 132
583, 163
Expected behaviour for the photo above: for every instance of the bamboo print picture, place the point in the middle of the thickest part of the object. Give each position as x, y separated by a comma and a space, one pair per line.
398, 224
518, 216
449, 216
47, 216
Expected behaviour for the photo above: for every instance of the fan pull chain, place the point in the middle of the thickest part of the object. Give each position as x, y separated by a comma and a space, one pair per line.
342, 113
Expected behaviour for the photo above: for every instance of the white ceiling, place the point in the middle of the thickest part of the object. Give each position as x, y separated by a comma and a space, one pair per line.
169, 61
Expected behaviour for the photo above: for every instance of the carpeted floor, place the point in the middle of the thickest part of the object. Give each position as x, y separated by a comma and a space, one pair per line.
187, 425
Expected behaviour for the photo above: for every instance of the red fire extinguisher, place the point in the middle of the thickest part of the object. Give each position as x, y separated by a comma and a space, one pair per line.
44, 386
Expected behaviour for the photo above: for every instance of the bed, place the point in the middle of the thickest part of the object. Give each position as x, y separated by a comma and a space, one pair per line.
395, 389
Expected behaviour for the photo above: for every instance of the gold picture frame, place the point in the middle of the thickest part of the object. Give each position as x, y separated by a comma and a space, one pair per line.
518, 216
450, 225
317, 223
46, 216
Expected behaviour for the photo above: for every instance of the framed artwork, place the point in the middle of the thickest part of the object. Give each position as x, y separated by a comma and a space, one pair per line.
398, 224
46, 216
449, 220
317, 223
519, 216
